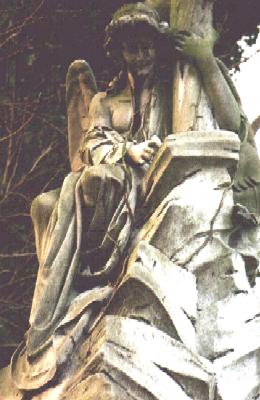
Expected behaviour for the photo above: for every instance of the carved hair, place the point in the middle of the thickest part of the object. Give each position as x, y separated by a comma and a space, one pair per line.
129, 16
124, 20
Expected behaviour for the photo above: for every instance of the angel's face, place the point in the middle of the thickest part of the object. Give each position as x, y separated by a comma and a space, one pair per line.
139, 54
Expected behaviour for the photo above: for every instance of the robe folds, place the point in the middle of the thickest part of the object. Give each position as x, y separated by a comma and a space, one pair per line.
82, 231
81, 234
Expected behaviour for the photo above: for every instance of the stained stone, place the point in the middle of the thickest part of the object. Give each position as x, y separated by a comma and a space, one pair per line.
167, 284
121, 349
167, 298
186, 154
193, 215
8, 391
184, 320
238, 375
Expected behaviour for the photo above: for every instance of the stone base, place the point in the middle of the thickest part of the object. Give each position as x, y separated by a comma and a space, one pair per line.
128, 359
184, 321
8, 391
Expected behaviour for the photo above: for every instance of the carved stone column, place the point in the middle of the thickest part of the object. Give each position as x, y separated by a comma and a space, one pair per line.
183, 322
191, 110
162, 335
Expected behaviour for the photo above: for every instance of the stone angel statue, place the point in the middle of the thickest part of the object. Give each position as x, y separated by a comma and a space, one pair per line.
82, 230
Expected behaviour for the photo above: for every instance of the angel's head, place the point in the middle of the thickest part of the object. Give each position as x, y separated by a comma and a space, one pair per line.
132, 37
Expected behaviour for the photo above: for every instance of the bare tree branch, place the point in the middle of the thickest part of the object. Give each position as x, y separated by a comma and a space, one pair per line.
19, 130
11, 33
14, 255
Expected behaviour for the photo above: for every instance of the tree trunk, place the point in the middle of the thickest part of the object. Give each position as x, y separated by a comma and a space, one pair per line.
191, 110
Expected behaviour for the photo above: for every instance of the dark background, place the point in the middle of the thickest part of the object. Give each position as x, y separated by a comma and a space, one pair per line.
38, 41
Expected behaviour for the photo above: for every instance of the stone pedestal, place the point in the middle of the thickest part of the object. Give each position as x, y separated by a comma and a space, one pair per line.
184, 320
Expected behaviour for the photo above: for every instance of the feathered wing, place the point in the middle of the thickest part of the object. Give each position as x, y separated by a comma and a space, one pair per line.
80, 88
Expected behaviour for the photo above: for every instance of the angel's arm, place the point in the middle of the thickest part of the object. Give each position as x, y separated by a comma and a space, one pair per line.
225, 107
104, 145
101, 143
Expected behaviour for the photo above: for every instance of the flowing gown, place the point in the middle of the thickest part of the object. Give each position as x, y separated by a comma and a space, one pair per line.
82, 229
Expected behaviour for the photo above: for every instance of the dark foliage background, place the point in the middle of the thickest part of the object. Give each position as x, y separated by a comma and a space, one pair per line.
38, 40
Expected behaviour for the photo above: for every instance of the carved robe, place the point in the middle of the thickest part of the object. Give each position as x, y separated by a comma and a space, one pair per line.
89, 222
81, 245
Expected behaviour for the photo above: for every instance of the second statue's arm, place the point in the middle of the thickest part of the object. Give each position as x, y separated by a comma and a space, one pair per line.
223, 103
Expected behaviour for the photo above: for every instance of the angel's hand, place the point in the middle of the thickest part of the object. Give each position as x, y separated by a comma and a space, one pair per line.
145, 151
194, 46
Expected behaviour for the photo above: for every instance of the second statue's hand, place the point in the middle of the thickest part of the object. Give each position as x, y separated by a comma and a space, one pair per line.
195, 46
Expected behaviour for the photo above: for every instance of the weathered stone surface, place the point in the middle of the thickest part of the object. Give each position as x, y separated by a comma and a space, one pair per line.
141, 360
8, 391
247, 242
238, 375
183, 155
101, 385
226, 302
184, 320
164, 292
220, 279
234, 326
49, 393
223, 289
193, 214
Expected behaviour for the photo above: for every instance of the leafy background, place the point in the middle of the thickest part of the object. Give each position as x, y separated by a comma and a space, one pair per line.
38, 41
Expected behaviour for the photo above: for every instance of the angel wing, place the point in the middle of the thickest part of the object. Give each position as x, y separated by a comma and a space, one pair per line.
80, 88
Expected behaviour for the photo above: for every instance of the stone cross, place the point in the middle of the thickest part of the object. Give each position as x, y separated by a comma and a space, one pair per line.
191, 110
